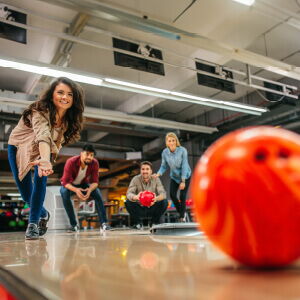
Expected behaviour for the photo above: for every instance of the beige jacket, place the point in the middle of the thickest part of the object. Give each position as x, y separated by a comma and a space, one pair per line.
27, 140
137, 185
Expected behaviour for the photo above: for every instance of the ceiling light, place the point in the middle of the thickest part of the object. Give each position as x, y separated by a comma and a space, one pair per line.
221, 102
246, 2
183, 97
118, 116
137, 86
14, 194
94, 79
48, 71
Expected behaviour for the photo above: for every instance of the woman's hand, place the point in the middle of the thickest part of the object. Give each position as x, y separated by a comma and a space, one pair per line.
155, 175
44, 167
182, 186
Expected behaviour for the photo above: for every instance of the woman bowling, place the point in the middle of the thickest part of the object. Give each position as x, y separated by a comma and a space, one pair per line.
175, 157
47, 124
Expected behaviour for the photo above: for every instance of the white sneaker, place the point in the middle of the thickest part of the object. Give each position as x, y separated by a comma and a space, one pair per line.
73, 229
137, 226
105, 227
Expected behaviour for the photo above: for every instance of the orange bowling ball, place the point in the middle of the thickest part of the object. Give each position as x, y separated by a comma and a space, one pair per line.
246, 194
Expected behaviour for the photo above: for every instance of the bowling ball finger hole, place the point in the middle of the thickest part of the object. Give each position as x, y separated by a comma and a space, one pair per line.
283, 153
261, 155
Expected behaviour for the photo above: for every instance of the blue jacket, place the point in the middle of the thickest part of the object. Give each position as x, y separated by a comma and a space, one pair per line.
178, 163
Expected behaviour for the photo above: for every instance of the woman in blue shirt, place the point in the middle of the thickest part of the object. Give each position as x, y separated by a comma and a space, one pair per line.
175, 157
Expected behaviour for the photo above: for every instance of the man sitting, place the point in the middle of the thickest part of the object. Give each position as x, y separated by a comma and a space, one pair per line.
138, 184
81, 175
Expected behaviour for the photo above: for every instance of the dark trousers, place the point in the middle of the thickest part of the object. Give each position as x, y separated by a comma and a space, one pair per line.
96, 195
180, 206
137, 211
33, 193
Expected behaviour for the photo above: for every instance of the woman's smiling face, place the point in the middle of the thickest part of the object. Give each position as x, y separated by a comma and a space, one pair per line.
62, 97
171, 143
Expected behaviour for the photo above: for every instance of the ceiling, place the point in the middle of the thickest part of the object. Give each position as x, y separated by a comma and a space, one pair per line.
264, 36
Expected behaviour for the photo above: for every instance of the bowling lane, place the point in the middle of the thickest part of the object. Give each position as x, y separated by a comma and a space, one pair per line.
136, 265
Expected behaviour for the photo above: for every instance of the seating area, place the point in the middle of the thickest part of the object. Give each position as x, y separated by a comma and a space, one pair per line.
87, 214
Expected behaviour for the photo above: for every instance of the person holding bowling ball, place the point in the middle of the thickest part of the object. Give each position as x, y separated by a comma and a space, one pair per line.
140, 183
175, 157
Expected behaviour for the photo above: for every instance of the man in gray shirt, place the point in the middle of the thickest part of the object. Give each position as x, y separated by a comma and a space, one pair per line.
145, 182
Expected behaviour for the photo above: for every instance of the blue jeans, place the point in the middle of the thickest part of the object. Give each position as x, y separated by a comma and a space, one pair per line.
33, 193
96, 195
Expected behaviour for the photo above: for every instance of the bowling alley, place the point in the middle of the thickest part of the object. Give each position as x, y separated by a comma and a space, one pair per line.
149, 149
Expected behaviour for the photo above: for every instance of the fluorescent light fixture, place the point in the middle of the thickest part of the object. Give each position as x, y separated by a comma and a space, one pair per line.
14, 194
183, 97
137, 86
15, 265
220, 102
48, 71
246, 2
94, 79
118, 116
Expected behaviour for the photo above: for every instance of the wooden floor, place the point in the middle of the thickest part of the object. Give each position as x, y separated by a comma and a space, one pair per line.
136, 265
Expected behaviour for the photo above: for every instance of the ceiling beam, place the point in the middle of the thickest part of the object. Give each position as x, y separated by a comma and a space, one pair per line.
117, 129
62, 56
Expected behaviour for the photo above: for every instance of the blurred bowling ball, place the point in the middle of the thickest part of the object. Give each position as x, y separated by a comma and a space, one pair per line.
21, 223
146, 198
12, 223
5, 294
246, 192
189, 202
